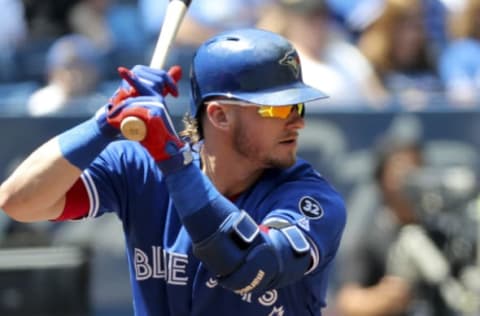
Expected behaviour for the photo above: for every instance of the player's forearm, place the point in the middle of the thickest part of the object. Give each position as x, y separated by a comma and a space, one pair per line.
196, 199
253, 258
353, 300
36, 189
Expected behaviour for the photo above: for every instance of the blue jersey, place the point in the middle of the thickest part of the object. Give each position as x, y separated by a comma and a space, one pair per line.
166, 277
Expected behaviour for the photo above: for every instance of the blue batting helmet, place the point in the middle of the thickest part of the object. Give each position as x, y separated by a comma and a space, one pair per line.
252, 65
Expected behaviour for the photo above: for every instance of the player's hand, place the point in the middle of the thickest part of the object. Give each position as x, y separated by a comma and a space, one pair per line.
140, 81
145, 81
161, 141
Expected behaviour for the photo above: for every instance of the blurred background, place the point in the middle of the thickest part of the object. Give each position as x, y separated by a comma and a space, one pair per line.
398, 137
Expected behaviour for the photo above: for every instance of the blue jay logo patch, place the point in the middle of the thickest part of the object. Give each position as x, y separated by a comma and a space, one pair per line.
291, 60
310, 207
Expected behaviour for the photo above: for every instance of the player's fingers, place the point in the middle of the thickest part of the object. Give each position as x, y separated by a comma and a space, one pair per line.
127, 75
159, 80
148, 81
176, 73
170, 87
174, 76
142, 85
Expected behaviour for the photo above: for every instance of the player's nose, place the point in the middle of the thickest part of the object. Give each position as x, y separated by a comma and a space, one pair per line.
295, 121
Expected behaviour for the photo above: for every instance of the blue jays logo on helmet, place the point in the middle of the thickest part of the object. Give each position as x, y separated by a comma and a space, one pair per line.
292, 61
252, 65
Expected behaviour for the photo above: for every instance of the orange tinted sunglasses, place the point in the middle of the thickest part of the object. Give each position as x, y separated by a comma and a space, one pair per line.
280, 111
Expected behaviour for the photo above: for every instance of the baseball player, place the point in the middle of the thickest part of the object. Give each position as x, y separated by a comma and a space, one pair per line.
223, 221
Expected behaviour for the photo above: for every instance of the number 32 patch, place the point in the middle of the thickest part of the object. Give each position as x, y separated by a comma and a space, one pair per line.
310, 207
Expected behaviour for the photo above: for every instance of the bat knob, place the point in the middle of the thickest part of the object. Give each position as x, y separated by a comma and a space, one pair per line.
133, 128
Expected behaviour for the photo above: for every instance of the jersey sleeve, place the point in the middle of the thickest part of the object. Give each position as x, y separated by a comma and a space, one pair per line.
317, 209
112, 183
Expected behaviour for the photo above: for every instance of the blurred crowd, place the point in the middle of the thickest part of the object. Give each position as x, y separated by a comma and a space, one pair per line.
60, 57
410, 247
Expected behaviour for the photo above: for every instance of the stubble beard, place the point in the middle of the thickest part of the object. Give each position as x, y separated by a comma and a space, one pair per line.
246, 147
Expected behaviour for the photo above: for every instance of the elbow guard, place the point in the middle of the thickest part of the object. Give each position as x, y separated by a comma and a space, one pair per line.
245, 259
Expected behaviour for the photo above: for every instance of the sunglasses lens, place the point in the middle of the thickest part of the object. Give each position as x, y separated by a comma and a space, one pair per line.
281, 111
301, 109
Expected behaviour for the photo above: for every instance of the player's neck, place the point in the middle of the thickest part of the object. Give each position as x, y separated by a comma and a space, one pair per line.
230, 175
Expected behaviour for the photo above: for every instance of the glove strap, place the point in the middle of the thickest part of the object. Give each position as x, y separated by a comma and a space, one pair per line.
176, 162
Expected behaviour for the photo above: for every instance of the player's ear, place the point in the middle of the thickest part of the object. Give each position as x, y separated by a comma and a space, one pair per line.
217, 115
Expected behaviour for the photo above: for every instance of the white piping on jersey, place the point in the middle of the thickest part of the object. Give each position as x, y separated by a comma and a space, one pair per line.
315, 255
92, 193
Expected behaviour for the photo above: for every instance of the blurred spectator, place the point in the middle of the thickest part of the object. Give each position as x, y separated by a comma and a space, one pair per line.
72, 70
376, 277
131, 42
115, 28
454, 5
460, 62
329, 61
14, 29
435, 14
203, 19
398, 47
88, 17
12, 33
47, 19
152, 13
206, 18
356, 15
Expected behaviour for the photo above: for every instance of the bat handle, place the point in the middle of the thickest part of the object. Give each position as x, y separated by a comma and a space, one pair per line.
132, 127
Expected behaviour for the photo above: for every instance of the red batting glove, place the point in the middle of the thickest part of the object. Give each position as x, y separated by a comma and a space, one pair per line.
161, 141
145, 81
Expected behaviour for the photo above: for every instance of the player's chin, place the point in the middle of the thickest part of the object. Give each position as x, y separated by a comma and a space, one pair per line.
283, 162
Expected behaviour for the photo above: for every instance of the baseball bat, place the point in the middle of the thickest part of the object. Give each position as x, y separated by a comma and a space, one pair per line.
132, 127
